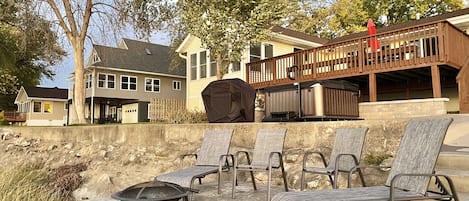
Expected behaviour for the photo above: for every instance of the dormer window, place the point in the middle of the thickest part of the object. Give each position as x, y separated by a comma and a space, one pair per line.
96, 58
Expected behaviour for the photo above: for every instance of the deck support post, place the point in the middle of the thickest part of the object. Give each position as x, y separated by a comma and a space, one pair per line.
372, 86
436, 83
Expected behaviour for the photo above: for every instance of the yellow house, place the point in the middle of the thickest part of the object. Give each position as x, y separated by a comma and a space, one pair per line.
201, 69
43, 106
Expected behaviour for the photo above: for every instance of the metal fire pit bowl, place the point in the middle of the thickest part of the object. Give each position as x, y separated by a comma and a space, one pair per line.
152, 191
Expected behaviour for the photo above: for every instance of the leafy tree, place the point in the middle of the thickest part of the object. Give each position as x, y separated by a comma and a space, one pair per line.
398, 11
27, 50
330, 19
226, 28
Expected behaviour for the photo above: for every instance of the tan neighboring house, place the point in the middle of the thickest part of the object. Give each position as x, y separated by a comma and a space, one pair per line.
201, 69
120, 82
42, 106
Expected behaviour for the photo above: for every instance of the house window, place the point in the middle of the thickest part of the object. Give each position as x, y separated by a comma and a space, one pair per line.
203, 64
213, 67
106, 81
260, 51
255, 53
193, 66
152, 85
268, 51
128, 82
236, 66
176, 85
37, 106
47, 107
96, 58
89, 80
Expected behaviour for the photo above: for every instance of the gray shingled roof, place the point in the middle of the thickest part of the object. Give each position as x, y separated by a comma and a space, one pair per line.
43, 92
140, 56
408, 24
297, 34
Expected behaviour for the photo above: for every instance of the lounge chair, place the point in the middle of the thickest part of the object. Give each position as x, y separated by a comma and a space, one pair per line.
211, 159
267, 154
410, 173
345, 156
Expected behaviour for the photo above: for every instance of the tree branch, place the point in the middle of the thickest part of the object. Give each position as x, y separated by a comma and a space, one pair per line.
56, 11
86, 19
69, 14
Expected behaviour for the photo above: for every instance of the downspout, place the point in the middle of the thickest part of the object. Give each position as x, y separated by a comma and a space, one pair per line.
183, 56
187, 82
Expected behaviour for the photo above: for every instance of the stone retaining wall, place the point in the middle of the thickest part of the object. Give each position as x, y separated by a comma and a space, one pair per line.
383, 138
403, 108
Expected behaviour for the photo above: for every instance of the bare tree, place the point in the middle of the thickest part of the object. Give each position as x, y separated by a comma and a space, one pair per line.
74, 18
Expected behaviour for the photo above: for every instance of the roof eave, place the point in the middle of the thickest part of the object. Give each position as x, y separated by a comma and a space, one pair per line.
183, 44
295, 40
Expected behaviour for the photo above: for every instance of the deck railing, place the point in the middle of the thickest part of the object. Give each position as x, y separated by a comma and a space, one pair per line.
15, 116
401, 49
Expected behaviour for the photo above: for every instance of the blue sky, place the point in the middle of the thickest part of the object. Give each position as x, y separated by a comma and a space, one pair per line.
66, 67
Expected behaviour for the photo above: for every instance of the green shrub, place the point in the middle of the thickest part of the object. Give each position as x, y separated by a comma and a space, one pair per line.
187, 117
376, 159
26, 183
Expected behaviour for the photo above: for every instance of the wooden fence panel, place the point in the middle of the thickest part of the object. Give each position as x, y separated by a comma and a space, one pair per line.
162, 109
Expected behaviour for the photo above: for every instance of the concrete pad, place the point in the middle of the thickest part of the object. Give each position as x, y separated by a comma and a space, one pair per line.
458, 132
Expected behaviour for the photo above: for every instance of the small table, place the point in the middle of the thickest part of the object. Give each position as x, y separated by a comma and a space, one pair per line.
152, 191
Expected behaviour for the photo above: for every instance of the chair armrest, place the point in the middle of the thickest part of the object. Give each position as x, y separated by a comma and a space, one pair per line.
238, 153
280, 157
309, 153
444, 190
337, 161
224, 162
182, 157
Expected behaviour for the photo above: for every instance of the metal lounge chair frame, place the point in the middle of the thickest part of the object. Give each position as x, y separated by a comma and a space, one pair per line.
212, 158
345, 157
410, 174
267, 155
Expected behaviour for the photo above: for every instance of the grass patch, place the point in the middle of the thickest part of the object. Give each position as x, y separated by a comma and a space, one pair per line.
33, 182
26, 183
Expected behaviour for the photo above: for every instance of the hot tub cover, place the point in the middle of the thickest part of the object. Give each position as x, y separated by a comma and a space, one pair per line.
229, 100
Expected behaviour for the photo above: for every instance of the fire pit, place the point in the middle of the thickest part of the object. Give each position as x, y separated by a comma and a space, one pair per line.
152, 191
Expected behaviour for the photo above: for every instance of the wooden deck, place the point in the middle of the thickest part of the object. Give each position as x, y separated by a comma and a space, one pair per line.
15, 116
427, 45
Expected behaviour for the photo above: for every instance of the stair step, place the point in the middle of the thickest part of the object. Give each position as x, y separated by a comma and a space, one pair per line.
460, 179
453, 161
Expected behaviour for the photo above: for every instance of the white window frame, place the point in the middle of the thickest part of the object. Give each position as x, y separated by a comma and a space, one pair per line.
128, 82
177, 85
96, 58
40, 108
89, 81
192, 75
153, 85
106, 81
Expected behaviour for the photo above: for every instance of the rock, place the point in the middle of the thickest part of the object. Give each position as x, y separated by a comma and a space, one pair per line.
6, 134
22, 142
52, 147
103, 153
386, 164
291, 158
68, 146
312, 184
